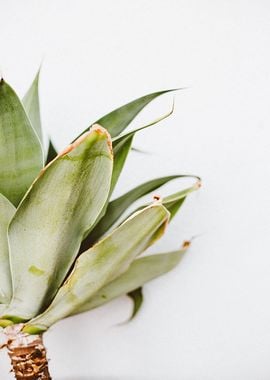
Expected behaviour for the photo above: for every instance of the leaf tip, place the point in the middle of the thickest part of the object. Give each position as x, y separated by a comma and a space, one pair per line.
101, 130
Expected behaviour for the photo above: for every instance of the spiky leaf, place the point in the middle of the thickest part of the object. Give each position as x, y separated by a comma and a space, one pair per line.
21, 156
47, 229
140, 272
121, 148
119, 119
105, 261
7, 210
32, 107
118, 206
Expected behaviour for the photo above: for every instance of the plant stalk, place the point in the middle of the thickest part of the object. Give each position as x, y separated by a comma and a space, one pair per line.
27, 354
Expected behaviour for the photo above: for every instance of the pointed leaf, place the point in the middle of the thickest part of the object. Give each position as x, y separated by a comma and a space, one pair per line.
105, 261
7, 210
174, 202
117, 207
31, 105
21, 156
140, 272
137, 300
116, 140
121, 148
52, 153
47, 229
119, 119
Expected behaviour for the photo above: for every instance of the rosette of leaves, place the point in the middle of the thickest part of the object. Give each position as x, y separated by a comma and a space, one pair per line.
65, 246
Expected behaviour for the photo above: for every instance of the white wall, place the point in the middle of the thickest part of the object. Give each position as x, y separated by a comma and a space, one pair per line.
210, 318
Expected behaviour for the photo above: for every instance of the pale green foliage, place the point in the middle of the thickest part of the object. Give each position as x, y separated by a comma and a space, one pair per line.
7, 212
21, 156
66, 249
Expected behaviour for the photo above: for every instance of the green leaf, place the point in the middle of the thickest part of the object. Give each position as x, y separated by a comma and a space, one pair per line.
118, 139
119, 119
137, 300
52, 153
21, 156
120, 153
7, 210
31, 105
140, 272
47, 229
121, 148
104, 262
117, 207
174, 201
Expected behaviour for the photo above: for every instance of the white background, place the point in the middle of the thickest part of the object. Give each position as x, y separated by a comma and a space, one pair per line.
210, 318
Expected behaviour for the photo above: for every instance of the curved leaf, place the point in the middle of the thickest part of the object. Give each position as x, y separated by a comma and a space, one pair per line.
46, 231
137, 300
21, 156
140, 272
118, 139
7, 210
31, 105
121, 148
102, 263
117, 207
119, 119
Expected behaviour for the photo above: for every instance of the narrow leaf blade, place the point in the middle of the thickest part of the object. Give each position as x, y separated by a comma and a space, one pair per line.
21, 156
118, 120
32, 107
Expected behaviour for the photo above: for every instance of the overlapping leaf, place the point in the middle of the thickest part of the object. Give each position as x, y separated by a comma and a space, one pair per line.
121, 148
140, 271
117, 207
21, 156
7, 210
47, 229
118, 120
32, 107
104, 262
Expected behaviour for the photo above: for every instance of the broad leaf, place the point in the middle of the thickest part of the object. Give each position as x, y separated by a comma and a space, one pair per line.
52, 153
47, 229
140, 271
31, 105
21, 156
105, 261
7, 210
119, 119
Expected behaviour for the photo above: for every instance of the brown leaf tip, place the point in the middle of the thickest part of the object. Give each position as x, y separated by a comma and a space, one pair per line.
99, 129
186, 244
198, 184
157, 198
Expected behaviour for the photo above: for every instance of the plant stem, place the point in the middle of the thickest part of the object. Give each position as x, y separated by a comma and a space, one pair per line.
27, 354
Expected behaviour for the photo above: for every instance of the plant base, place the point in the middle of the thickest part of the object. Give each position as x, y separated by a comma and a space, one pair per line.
27, 354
